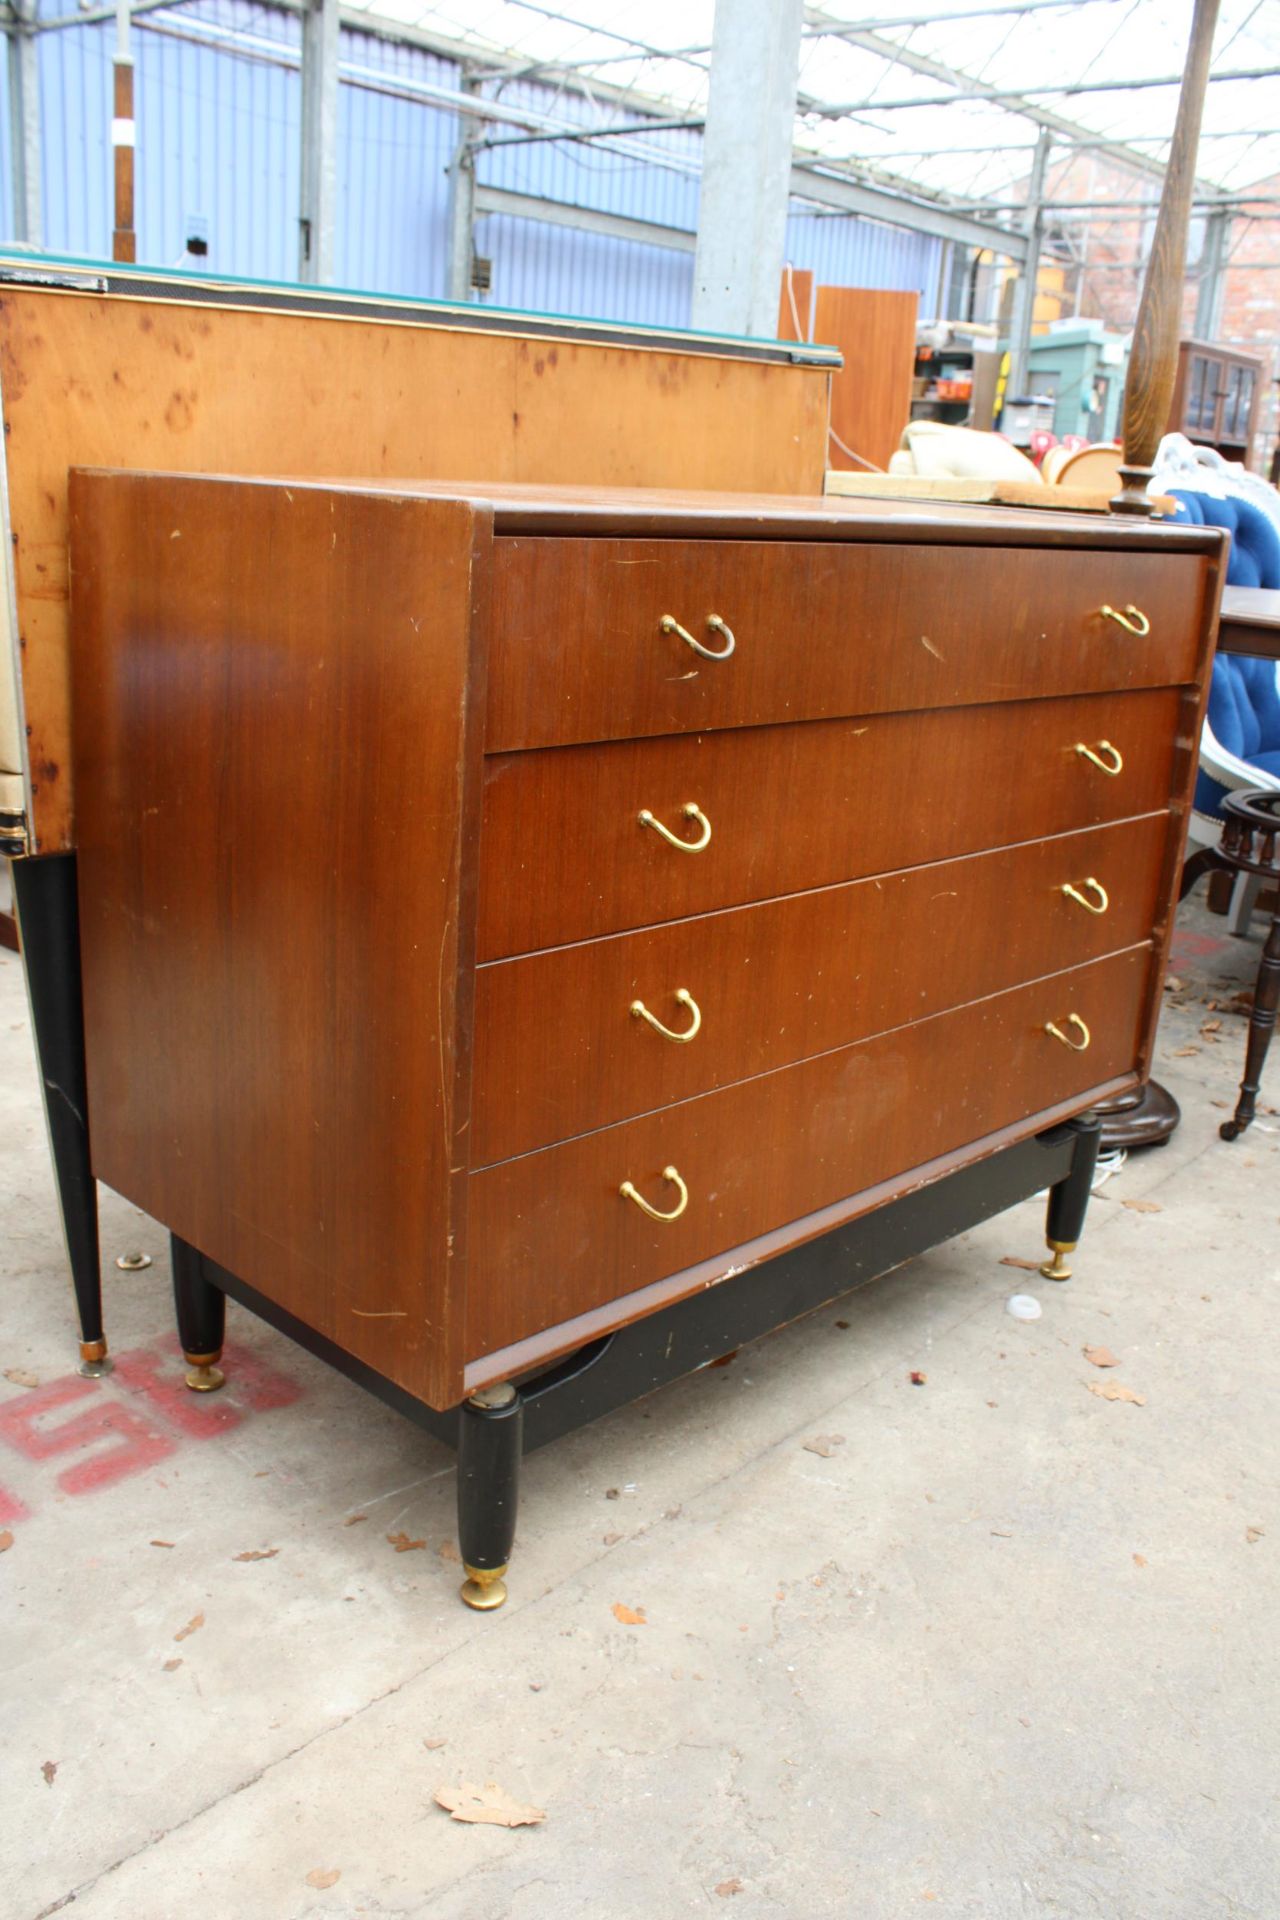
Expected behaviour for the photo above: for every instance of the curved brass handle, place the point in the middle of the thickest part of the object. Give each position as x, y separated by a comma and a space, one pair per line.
673, 839
1110, 766
1073, 1020
668, 1173
686, 999
670, 624
1098, 905
1131, 618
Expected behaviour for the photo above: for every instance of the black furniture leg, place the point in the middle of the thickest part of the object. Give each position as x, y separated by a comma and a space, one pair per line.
1069, 1199
1262, 1022
44, 892
202, 1317
490, 1445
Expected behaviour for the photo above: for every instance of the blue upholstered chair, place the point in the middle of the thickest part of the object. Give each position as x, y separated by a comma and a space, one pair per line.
1240, 742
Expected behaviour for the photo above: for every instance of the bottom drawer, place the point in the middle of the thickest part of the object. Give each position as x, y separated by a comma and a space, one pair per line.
551, 1234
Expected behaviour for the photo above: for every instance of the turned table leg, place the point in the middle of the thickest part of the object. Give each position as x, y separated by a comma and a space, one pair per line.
1069, 1199
490, 1445
44, 893
202, 1317
1262, 1023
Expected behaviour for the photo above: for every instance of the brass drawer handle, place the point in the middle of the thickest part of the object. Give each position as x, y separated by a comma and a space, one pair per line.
671, 625
1111, 765
1131, 618
673, 839
668, 1173
1099, 904
1073, 1020
686, 999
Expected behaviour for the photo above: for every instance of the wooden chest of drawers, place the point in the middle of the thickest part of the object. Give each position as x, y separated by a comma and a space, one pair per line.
506, 915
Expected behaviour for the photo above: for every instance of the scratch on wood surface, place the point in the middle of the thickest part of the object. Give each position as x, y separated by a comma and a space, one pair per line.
929, 647
390, 1313
446, 1092
949, 894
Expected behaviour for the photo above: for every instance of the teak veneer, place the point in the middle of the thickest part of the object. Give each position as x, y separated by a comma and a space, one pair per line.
395, 801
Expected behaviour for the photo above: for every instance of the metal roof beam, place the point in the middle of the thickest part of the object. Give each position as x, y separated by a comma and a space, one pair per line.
838, 110
974, 89
894, 210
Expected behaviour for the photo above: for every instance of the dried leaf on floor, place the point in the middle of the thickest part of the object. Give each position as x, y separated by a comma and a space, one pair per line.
1139, 1560
728, 1887
354, 1519
842, 1324
1212, 1026
257, 1553
193, 1625
1172, 983
629, 1616
6, 1540
433, 1745
171, 1666
823, 1444
22, 1376
449, 1552
1112, 1390
1026, 1266
1252, 1533
1184, 1053
610, 1539
488, 1806
160, 1543
324, 1876
1142, 1206
403, 1544
50, 1771
917, 1378
1100, 1357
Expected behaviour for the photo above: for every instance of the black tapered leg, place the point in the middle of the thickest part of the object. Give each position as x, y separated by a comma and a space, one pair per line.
1262, 1024
1205, 860
202, 1316
490, 1445
44, 892
1069, 1199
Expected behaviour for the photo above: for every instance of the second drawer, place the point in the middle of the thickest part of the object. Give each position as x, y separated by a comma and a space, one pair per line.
559, 1051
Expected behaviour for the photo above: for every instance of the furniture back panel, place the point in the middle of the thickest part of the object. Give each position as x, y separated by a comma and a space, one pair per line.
821, 629
875, 330
564, 857
552, 1236
120, 381
558, 1051
272, 814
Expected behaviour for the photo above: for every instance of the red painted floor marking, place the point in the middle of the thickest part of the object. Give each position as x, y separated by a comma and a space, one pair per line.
135, 1445
11, 1508
135, 1437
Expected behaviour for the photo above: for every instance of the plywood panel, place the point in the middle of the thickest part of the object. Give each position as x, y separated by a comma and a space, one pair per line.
116, 381
871, 394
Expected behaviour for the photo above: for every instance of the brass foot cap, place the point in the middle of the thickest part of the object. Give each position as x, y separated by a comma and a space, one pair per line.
484, 1588
1057, 1268
204, 1376
94, 1362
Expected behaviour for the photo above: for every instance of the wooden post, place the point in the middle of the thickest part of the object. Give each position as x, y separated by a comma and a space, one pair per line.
1153, 360
124, 241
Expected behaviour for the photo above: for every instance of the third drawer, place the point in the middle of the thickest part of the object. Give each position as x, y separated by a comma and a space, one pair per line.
564, 855
560, 1051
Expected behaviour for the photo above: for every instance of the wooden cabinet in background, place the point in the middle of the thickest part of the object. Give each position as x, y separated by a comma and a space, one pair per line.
1216, 397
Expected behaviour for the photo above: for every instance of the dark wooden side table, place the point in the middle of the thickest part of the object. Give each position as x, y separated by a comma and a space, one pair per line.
1250, 844
1250, 622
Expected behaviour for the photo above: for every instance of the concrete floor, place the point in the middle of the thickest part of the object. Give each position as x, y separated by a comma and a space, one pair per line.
1006, 1649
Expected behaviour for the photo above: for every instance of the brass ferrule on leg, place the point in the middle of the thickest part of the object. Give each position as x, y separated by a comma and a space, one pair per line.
484, 1588
1057, 1268
93, 1359
205, 1375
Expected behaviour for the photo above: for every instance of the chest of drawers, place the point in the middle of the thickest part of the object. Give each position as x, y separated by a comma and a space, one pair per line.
507, 917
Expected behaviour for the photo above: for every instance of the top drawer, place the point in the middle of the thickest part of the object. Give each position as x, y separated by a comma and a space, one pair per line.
821, 629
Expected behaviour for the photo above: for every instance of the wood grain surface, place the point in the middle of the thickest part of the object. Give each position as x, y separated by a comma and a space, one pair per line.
875, 330
558, 1051
277, 784
115, 381
579, 651
563, 856
552, 1236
